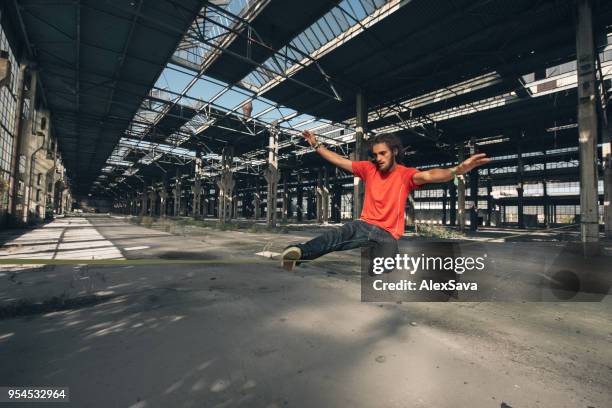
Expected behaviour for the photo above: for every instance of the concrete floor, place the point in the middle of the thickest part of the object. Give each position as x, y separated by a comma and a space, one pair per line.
239, 331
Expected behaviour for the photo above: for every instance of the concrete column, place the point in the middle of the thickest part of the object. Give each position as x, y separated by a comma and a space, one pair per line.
59, 194
606, 156
153, 201
226, 185
130, 204
545, 199
221, 206
453, 196
545, 204
607, 162
360, 152
247, 202
461, 193
473, 179
272, 175
311, 209
322, 192
325, 196
144, 208
257, 199
453, 204
51, 177
213, 199
489, 199
520, 185
196, 189
176, 192
336, 201
235, 206
183, 211
285, 199
58, 201
300, 199
163, 201
473, 212
23, 162
520, 207
205, 200
444, 198
17, 143
587, 126
319, 196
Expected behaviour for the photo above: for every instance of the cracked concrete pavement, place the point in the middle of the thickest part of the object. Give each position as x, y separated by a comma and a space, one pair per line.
251, 334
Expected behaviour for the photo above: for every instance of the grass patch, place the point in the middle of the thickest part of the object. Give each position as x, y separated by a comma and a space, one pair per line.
437, 231
181, 225
146, 221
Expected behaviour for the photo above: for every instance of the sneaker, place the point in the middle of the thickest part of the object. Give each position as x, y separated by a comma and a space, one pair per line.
290, 256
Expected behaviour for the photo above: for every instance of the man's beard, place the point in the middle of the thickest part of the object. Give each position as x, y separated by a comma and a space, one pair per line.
387, 167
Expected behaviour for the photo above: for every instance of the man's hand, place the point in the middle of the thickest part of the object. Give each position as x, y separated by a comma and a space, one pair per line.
472, 162
328, 155
310, 137
443, 175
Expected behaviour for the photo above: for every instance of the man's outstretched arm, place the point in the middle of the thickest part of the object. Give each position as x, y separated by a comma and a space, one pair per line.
328, 155
443, 175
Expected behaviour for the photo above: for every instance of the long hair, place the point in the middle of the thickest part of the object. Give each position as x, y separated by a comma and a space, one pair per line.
392, 141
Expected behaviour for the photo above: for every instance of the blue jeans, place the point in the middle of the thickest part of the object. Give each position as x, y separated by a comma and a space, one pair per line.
353, 234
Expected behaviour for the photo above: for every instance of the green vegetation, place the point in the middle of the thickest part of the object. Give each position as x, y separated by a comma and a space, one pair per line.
436, 231
182, 225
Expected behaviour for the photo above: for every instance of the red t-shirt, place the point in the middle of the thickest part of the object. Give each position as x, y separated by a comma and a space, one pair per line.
385, 195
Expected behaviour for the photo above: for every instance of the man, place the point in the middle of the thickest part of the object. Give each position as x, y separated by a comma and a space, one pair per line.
387, 186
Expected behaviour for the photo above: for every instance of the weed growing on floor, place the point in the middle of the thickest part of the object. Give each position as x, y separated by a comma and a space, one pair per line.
146, 221
180, 225
436, 231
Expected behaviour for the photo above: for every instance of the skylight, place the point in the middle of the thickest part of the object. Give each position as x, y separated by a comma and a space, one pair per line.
343, 22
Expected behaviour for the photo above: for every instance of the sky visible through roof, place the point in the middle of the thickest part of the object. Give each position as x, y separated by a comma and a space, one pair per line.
321, 37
